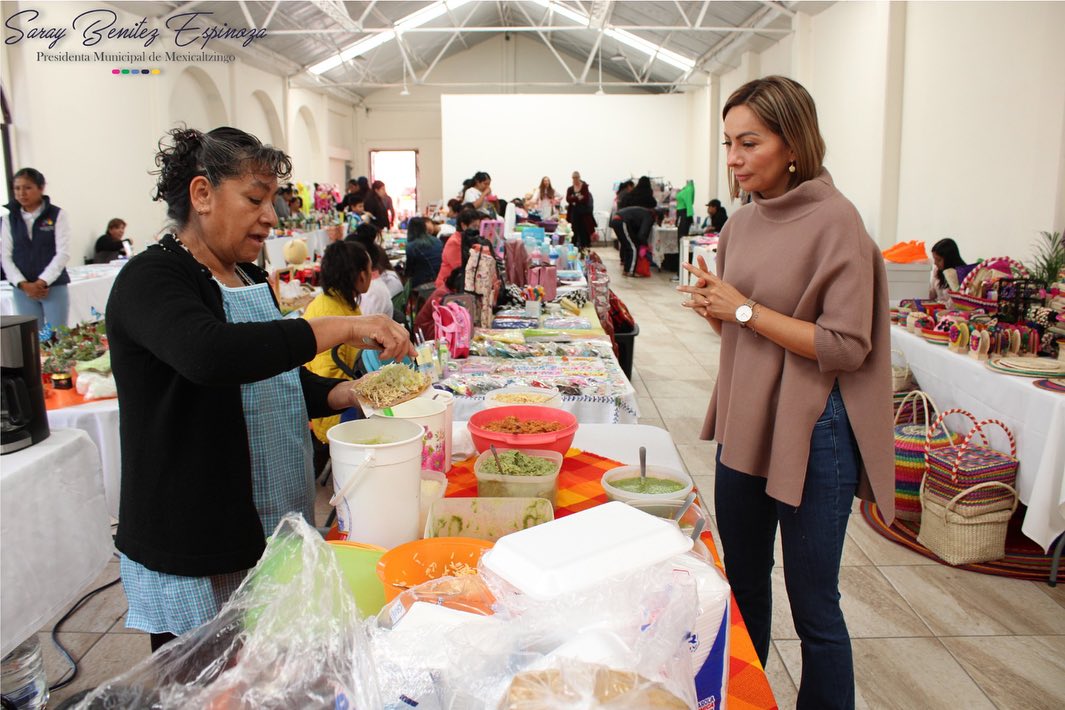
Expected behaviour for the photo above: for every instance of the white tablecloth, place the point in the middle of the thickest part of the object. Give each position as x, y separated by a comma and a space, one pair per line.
663, 241
317, 240
99, 420
55, 535
1036, 417
89, 288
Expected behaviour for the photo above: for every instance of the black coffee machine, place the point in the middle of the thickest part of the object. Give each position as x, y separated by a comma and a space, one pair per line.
23, 418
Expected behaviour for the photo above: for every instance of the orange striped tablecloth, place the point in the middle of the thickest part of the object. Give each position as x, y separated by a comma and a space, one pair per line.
579, 489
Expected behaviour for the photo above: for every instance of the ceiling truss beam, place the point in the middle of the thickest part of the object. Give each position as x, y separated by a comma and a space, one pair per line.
547, 42
565, 28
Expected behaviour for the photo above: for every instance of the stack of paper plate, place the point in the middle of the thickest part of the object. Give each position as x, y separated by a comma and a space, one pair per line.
1027, 366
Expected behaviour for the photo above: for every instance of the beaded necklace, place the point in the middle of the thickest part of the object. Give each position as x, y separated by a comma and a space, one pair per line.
244, 278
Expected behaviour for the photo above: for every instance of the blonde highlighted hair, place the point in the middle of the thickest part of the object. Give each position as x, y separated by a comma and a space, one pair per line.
787, 108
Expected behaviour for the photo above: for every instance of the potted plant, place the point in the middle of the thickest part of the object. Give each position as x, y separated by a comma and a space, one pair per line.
1049, 258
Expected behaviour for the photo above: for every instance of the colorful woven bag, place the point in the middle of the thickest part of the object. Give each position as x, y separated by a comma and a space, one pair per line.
910, 443
952, 470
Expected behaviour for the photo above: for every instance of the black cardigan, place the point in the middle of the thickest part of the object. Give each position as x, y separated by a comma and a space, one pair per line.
186, 503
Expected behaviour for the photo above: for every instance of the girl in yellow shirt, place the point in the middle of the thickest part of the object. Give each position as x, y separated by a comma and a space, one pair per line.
346, 275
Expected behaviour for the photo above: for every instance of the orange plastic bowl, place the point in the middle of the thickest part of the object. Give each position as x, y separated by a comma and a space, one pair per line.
412, 563
559, 440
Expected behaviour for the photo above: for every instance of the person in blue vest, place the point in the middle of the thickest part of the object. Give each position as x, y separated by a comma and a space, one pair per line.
36, 249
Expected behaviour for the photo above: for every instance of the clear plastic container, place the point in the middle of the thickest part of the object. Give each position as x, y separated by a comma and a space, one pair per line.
486, 518
494, 485
22, 677
538, 396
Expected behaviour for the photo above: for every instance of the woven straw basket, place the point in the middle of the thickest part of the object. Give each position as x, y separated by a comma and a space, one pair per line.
900, 375
952, 470
962, 537
910, 442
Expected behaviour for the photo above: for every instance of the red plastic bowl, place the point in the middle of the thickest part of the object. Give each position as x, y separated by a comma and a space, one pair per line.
559, 440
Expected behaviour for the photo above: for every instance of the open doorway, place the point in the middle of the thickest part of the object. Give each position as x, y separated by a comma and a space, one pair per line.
398, 170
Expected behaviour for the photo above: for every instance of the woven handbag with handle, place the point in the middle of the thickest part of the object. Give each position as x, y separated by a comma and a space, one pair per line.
910, 442
960, 536
951, 470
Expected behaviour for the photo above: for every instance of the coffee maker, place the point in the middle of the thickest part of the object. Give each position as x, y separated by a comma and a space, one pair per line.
23, 418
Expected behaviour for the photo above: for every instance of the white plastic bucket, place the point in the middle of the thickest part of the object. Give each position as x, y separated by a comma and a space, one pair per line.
377, 486
429, 414
449, 419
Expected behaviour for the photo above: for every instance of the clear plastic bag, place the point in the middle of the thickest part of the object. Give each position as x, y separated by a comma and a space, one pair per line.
290, 637
621, 644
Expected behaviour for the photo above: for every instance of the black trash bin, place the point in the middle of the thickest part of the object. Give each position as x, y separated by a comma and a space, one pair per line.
626, 345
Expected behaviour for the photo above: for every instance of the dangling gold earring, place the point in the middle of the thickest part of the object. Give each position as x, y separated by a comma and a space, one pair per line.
791, 168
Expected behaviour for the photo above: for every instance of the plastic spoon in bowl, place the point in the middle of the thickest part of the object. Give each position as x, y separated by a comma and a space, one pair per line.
698, 530
643, 469
684, 507
499, 464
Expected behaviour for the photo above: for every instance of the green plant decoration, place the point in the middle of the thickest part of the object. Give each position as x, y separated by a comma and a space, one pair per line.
1049, 259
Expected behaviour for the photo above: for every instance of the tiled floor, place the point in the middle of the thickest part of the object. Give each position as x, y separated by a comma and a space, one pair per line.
925, 636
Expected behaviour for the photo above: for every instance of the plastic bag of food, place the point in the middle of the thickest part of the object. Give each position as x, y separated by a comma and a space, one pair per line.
289, 637
633, 627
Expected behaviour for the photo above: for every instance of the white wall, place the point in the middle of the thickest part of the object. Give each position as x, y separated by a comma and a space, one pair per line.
983, 125
941, 118
387, 120
615, 137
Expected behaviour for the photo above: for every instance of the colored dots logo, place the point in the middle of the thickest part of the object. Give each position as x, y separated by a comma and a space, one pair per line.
136, 72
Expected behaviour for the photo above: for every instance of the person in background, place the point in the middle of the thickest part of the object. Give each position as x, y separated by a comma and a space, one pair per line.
451, 256
295, 203
718, 216
685, 208
632, 225
422, 253
948, 270
374, 204
818, 359
579, 212
378, 297
641, 195
213, 398
346, 274
390, 209
36, 249
352, 195
112, 243
281, 203
454, 206
477, 191
546, 201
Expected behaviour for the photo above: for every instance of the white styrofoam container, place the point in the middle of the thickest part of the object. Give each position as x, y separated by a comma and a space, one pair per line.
580, 550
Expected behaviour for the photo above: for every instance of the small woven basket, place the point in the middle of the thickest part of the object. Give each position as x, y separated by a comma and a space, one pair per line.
910, 442
953, 470
901, 378
962, 537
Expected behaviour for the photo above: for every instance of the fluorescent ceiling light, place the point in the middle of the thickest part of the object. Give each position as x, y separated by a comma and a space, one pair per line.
364, 45
627, 38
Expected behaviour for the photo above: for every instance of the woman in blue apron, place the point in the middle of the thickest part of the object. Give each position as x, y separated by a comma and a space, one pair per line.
214, 400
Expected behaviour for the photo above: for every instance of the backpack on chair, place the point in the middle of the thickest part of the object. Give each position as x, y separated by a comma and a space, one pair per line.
454, 326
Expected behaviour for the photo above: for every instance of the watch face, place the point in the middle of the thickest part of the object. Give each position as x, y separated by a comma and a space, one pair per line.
744, 313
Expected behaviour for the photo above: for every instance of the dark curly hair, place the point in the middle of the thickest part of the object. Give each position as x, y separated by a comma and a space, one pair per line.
342, 263
218, 155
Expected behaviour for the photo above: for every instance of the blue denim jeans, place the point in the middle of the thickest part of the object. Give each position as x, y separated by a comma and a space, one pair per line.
52, 310
812, 536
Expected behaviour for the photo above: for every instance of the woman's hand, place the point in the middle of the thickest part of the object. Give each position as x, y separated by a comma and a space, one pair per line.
710, 296
37, 290
342, 396
376, 332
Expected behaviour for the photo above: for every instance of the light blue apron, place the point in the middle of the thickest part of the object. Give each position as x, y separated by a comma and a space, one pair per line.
276, 418
279, 438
